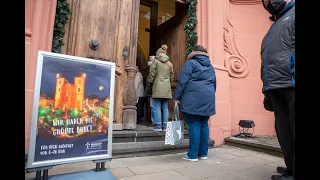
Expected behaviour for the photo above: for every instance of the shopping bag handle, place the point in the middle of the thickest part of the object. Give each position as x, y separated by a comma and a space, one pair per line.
175, 116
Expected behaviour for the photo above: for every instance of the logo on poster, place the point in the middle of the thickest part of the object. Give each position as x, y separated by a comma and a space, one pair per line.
93, 145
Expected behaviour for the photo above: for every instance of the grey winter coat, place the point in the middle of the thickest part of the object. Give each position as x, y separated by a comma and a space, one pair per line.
278, 52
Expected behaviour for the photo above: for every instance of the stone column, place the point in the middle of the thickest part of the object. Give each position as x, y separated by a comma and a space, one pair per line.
130, 97
130, 100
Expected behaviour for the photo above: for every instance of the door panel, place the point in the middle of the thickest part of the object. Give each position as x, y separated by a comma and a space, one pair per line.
110, 23
173, 35
93, 20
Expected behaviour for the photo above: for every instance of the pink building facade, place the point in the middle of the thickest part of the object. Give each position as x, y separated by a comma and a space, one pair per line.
231, 30
39, 23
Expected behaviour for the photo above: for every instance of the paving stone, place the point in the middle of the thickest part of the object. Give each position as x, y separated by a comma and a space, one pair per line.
151, 168
172, 157
135, 161
244, 162
257, 173
221, 156
217, 178
164, 175
268, 157
222, 150
204, 171
121, 172
243, 152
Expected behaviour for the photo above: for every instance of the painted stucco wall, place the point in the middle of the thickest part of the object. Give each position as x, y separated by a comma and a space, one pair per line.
232, 31
39, 23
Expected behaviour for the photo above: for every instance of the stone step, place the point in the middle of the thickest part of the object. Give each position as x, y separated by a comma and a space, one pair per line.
140, 136
131, 149
255, 146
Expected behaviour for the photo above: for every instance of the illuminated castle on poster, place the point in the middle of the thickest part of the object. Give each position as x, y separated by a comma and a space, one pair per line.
70, 95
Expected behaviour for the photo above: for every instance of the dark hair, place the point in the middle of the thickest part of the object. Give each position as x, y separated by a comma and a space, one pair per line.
199, 48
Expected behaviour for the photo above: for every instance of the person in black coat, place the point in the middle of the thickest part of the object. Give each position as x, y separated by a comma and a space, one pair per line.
278, 76
195, 92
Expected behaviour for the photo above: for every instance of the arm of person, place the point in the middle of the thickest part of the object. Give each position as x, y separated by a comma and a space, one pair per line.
137, 84
171, 75
215, 79
183, 79
152, 72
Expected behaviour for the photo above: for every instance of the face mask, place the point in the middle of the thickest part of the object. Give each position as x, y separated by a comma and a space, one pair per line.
274, 7
149, 63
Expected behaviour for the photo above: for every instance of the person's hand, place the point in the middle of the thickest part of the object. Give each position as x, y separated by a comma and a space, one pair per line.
176, 101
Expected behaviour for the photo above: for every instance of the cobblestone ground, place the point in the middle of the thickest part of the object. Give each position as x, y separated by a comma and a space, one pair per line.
224, 163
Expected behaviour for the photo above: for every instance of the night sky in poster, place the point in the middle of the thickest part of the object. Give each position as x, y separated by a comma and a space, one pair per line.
96, 76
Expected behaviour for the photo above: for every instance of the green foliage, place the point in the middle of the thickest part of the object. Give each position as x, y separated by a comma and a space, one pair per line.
62, 12
189, 27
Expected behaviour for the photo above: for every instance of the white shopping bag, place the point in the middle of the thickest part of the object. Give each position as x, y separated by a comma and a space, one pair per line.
175, 128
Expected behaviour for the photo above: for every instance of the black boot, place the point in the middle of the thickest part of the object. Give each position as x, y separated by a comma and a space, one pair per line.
283, 170
282, 177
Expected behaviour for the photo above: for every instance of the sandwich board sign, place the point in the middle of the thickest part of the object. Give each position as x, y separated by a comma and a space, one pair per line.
72, 111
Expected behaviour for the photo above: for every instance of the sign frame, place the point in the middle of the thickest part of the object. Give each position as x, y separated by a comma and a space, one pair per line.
31, 164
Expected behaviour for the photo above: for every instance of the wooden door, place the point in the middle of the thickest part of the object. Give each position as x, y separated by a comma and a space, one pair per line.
113, 23
173, 35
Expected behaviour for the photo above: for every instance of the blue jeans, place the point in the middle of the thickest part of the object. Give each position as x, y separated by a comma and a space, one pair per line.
198, 135
157, 105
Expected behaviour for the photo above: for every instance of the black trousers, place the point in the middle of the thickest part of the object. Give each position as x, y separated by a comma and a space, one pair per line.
140, 109
283, 102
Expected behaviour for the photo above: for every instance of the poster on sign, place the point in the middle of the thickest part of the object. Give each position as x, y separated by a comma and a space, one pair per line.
72, 111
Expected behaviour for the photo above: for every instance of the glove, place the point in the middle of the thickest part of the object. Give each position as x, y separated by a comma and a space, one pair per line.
148, 90
267, 102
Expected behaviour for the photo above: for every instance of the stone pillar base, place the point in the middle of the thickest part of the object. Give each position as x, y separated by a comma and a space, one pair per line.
129, 117
117, 126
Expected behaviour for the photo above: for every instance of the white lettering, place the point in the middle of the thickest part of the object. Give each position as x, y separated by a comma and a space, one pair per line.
43, 153
63, 130
56, 122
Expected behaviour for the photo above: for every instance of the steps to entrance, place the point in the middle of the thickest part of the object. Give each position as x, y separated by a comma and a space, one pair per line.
140, 136
130, 149
143, 141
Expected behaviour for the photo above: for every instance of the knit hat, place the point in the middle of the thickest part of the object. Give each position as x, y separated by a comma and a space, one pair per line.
163, 49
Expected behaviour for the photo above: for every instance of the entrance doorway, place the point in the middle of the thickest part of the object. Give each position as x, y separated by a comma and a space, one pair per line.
160, 22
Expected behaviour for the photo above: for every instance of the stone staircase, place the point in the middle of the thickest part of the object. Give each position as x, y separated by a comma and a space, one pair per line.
145, 142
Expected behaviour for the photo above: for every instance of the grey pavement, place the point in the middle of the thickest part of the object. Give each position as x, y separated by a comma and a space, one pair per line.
224, 163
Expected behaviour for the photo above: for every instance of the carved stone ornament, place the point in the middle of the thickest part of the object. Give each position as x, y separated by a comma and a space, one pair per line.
125, 53
236, 64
